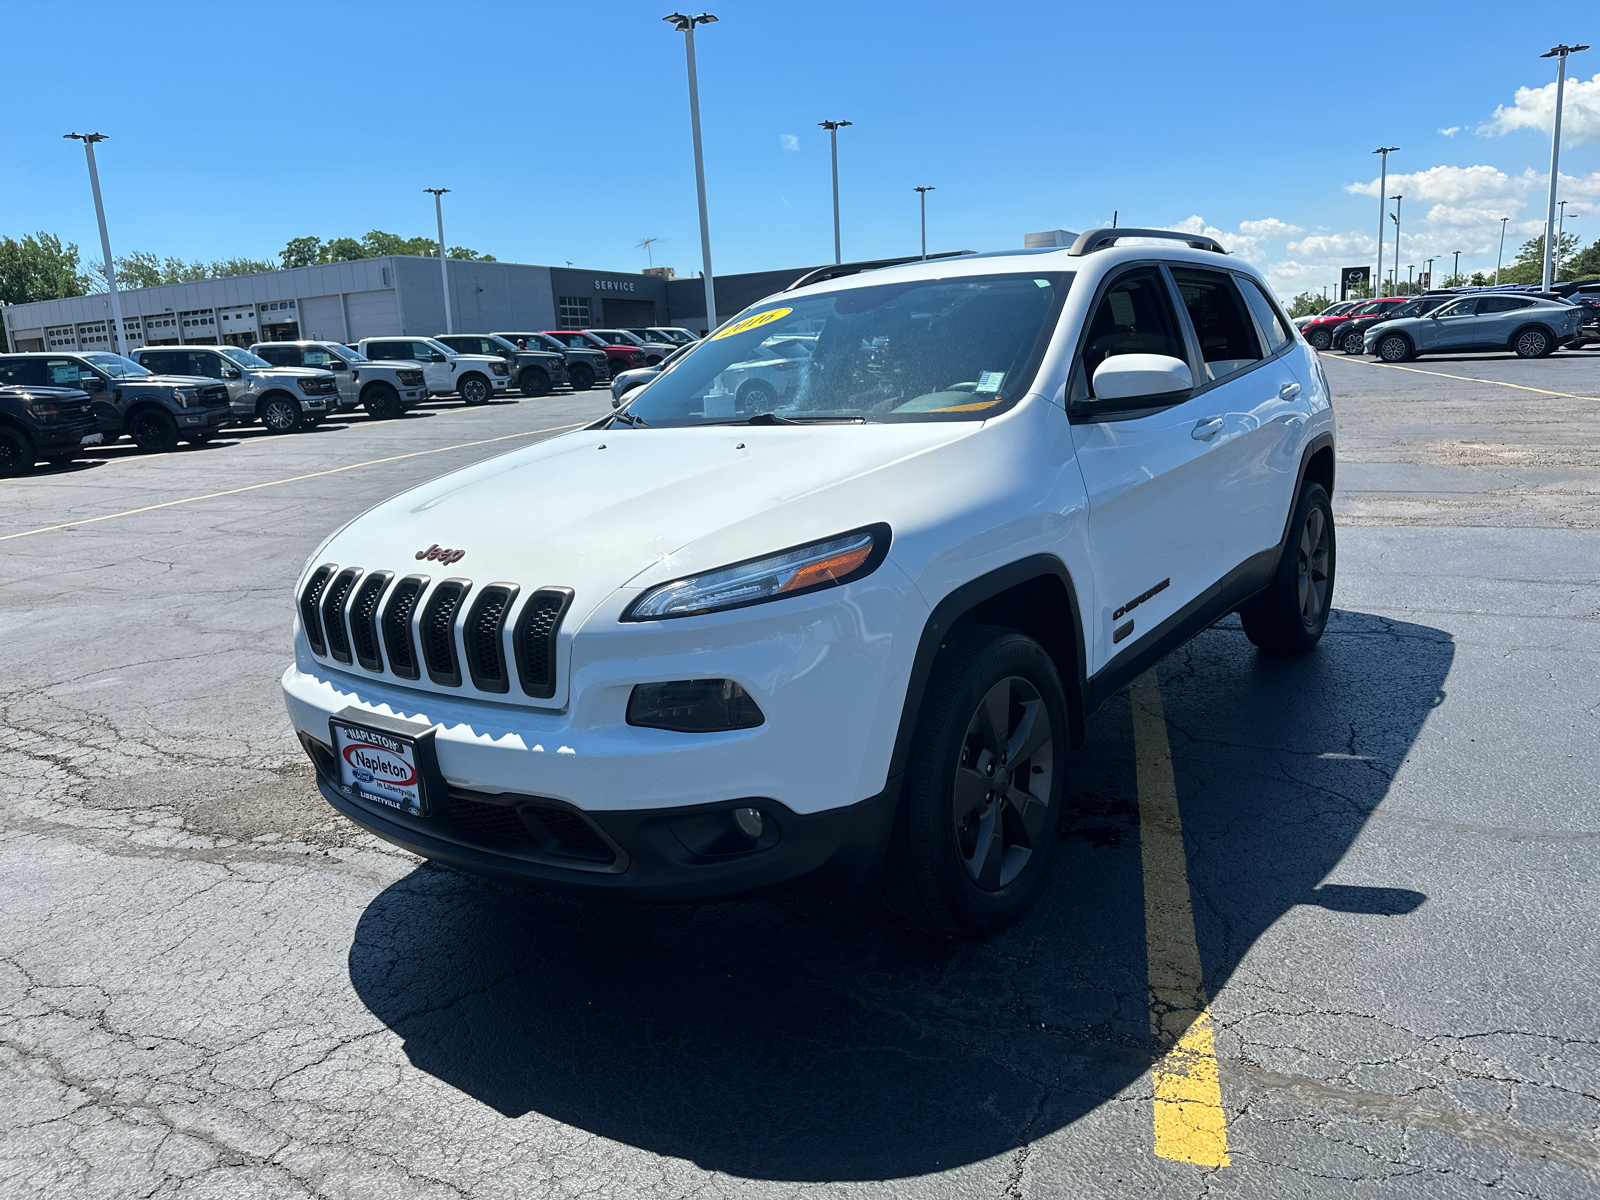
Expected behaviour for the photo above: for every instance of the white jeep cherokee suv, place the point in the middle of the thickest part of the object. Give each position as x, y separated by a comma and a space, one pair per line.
707, 650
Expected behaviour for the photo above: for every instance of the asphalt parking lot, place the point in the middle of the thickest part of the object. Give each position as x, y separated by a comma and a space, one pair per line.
1359, 887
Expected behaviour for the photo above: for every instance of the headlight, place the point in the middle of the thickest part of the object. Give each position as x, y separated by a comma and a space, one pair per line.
311, 386
788, 573
44, 410
182, 398
500, 368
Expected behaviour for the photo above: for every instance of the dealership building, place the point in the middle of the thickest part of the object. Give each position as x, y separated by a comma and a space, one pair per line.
375, 297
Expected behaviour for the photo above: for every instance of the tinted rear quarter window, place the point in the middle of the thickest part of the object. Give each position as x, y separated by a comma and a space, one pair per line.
1227, 335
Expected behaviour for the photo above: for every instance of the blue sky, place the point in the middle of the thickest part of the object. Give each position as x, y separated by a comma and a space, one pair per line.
563, 128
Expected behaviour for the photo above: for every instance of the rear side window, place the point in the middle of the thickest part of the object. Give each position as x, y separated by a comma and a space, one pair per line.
162, 362
1500, 304
280, 356
1268, 319
1228, 342
1134, 317
382, 350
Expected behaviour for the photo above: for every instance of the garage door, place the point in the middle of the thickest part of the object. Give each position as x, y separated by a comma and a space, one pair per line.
372, 314
320, 318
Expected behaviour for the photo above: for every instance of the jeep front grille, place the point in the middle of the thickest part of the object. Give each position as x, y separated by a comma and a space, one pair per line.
333, 602
310, 617
369, 617
397, 626
438, 630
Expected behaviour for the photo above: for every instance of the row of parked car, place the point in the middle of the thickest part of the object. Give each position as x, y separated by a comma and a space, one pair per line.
1522, 320
53, 406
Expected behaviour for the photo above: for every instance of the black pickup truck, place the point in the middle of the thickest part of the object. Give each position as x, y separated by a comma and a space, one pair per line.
54, 424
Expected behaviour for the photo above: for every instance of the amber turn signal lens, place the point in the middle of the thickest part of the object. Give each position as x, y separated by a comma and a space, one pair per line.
828, 569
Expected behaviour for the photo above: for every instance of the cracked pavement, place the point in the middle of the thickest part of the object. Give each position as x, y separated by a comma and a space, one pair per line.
211, 985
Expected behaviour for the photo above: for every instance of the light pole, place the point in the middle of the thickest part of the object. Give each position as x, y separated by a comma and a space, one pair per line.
1561, 229
1383, 186
1498, 256
1430, 274
1559, 53
922, 199
1457, 272
88, 140
833, 128
444, 274
685, 25
1396, 215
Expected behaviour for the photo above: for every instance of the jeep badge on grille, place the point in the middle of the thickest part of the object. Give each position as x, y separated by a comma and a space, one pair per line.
445, 556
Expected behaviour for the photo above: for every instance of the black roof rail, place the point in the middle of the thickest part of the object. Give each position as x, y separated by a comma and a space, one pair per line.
1100, 239
840, 270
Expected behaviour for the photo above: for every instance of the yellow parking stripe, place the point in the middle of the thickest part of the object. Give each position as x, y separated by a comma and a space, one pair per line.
1190, 1124
1465, 378
292, 479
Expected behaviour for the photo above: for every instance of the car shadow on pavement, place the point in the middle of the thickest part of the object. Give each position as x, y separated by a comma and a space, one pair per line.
813, 1038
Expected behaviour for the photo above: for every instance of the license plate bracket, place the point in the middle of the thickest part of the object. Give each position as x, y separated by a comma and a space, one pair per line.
387, 761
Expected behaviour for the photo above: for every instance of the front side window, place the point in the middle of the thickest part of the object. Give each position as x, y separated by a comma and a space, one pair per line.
114, 365
962, 348
1228, 342
1273, 327
63, 372
196, 363
1134, 317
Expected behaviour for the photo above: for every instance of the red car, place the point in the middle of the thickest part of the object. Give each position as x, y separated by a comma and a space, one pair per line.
618, 358
1320, 332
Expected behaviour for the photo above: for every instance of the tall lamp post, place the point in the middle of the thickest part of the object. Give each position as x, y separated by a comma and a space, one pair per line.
685, 25
1457, 272
117, 332
444, 271
1429, 275
922, 199
833, 128
1383, 207
1396, 215
1498, 256
1559, 53
1561, 231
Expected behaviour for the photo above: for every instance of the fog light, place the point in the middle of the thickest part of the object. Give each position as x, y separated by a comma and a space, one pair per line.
749, 822
693, 706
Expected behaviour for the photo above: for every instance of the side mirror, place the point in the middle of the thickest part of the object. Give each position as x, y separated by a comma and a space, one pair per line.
232, 373
91, 383
435, 357
338, 364
1149, 379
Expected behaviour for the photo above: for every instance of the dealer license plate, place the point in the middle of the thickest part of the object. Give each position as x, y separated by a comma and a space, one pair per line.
380, 766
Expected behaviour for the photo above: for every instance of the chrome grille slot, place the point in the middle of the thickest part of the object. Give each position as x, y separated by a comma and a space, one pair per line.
438, 631
535, 640
364, 619
310, 615
482, 641
333, 603
397, 641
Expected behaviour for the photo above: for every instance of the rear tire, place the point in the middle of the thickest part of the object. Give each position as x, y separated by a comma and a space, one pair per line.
153, 431
581, 378
1290, 615
382, 402
979, 817
280, 414
1533, 343
533, 382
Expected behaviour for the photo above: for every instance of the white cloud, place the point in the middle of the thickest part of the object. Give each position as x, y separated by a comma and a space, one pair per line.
1452, 131
1335, 248
1290, 278
1454, 185
1270, 227
1241, 244
788, 141
1534, 108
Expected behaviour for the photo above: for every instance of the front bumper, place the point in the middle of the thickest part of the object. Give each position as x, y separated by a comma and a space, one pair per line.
53, 437
203, 418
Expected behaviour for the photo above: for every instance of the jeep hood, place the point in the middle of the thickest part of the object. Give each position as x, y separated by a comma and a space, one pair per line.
597, 509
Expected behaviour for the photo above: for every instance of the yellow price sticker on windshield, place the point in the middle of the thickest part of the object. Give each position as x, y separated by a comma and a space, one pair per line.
749, 323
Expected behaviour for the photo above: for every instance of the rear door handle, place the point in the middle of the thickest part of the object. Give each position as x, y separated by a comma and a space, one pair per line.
1288, 391
1206, 429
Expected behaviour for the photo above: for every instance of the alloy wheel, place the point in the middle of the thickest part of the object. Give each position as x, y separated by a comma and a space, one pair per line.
1393, 349
1002, 783
1532, 344
474, 391
279, 416
1313, 567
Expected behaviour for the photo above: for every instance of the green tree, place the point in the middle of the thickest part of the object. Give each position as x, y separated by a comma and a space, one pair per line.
1585, 264
302, 252
1306, 304
38, 267
344, 250
1529, 264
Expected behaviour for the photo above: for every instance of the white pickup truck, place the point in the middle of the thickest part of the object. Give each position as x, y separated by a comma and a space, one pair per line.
475, 377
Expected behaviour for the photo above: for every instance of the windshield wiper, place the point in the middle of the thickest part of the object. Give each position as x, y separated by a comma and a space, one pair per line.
771, 418
633, 421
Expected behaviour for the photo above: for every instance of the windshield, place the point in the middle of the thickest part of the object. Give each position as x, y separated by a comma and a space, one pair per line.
348, 353
929, 349
439, 347
673, 335
1413, 308
537, 341
114, 365
615, 337
243, 357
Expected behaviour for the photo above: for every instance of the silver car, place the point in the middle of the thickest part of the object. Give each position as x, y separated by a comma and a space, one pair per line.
283, 399
1489, 321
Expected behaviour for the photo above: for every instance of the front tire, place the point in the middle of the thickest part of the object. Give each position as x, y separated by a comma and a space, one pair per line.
754, 397
153, 431
1290, 616
533, 382
581, 378
475, 390
382, 402
979, 818
1533, 343
1394, 349
1351, 343
16, 453
280, 414
1320, 339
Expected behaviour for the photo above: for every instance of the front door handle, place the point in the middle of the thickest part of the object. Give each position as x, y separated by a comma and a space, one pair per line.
1288, 391
1207, 429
